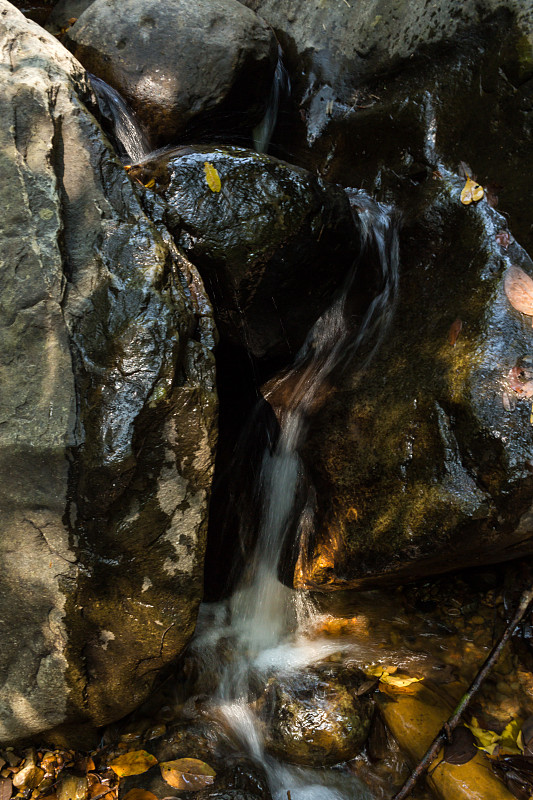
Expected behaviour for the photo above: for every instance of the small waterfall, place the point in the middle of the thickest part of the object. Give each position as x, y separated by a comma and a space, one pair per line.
265, 621
126, 127
281, 85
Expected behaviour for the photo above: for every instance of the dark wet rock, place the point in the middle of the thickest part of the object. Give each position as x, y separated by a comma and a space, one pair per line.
379, 85
63, 12
108, 411
176, 61
273, 245
422, 460
236, 775
336, 48
315, 718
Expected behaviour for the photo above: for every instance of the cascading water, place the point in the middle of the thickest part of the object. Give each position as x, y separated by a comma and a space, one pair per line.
281, 85
128, 132
265, 621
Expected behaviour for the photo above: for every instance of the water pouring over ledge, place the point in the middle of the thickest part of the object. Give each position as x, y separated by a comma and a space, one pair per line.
266, 626
267, 623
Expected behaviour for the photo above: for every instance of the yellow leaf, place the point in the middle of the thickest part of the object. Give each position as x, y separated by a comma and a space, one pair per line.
133, 763
509, 739
472, 192
187, 773
399, 681
486, 740
150, 184
212, 177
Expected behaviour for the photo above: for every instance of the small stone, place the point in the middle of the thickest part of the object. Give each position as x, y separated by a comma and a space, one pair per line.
72, 787
29, 777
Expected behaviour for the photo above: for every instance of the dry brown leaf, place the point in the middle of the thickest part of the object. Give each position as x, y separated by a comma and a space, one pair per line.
139, 794
519, 290
187, 773
133, 763
455, 330
6, 788
98, 789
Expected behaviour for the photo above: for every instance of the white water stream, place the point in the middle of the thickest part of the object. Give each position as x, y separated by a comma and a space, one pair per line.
265, 622
265, 626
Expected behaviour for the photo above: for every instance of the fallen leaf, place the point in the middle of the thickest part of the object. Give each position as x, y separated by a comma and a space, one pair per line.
98, 789
133, 763
462, 747
486, 740
399, 681
150, 184
503, 238
455, 330
187, 773
517, 773
139, 794
212, 177
6, 788
492, 191
509, 403
519, 290
509, 738
378, 670
472, 192
520, 381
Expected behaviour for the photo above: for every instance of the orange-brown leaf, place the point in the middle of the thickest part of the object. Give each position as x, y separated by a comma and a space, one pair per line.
98, 789
139, 794
455, 330
187, 773
519, 290
133, 763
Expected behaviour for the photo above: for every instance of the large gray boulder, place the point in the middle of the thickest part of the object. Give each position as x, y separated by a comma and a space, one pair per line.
175, 61
107, 410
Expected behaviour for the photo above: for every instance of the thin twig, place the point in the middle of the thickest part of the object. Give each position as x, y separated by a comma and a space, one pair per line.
449, 726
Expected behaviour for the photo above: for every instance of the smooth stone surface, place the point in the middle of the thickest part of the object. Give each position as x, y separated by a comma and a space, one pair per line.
315, 718
107, 411
414, 718
176, 62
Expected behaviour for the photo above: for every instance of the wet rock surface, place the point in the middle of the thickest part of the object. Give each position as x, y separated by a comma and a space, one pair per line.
108, 411
176, 61
422, 461
315, 718
273, 242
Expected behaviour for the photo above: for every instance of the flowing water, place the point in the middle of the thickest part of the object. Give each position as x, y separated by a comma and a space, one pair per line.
126, 127
267, 634
281, 86
266, 623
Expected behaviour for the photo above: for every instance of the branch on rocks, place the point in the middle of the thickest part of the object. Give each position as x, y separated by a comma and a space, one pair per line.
445, 733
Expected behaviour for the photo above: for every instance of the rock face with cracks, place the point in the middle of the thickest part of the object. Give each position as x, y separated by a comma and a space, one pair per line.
175, 61
107, 410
